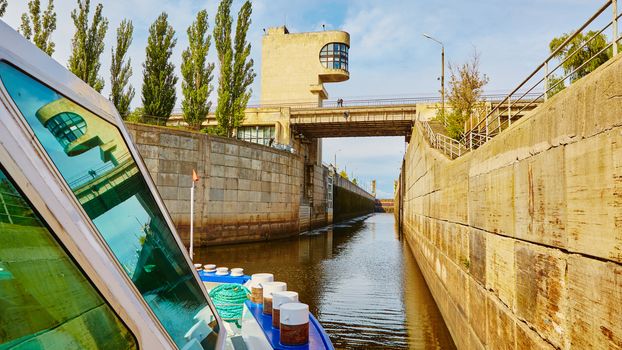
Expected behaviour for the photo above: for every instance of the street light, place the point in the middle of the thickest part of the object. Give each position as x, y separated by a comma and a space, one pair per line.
442, 75
339, 150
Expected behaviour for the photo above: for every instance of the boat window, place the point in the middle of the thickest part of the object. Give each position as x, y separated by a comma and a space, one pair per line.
45, 300
94, 159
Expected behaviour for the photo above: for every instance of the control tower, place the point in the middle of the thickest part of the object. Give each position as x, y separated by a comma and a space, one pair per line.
294, 67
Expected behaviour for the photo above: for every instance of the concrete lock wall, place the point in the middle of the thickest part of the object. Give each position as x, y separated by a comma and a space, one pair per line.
350, 200
520, 241
246, 192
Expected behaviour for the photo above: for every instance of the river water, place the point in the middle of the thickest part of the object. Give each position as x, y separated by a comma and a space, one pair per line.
359, 279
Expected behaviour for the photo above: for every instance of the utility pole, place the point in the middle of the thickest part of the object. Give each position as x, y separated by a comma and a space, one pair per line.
339, 150
442, 76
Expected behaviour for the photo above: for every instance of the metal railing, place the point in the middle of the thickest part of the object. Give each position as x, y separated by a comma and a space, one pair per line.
371, 102
93, 174
543, 82
451, 147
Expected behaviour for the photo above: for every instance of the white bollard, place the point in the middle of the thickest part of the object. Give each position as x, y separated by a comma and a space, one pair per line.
257, 281
270, 288
294, 324
278, 299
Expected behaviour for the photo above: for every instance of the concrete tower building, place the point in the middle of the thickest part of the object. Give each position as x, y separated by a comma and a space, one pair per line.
294, 67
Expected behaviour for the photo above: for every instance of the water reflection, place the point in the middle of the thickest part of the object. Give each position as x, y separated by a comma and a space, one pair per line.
361, 282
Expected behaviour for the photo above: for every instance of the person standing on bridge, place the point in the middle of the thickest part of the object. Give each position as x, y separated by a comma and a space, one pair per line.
340, 102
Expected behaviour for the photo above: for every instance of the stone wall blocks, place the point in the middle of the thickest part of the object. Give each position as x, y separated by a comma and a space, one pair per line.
594, 298
541, 293
217, 170
146, 137
500, 326
189, 143
231, 183
217, 147
170, 153
218, 159
231, 149
216, 194
216, 182
245, 152
169, 166
240, 183
169, 140
149, 151
152, 165
477, 256
165, 179
593, 191
168, 192
232, 161
231, 195
501, 269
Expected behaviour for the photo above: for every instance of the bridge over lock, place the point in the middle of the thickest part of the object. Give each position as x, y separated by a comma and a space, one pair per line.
358, 118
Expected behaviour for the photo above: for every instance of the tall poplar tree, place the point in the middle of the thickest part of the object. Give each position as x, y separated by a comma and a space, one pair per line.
3, 5
197, 73
236, 69
121, 71
243, 74
158, 72
38, 27
222, 41
87, 44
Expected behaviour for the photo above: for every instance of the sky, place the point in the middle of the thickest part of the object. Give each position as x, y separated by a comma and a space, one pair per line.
389, 57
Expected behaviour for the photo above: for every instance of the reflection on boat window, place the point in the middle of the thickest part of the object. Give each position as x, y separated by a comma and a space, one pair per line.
45, 300
105, 179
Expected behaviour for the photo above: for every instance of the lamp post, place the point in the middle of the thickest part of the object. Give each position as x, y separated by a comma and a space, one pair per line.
442, 76
339, 150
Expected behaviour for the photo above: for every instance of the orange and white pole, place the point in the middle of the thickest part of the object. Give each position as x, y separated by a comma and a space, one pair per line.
195, 178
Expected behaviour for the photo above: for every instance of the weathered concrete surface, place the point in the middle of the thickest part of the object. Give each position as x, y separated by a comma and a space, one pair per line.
350, 200
247, 192
520, 241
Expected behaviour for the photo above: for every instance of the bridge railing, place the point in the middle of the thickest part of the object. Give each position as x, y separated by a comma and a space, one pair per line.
370, 102
543, 81
93, 174
451, 147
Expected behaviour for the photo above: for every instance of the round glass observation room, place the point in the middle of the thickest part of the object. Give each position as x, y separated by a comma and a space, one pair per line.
66, 127
335, 56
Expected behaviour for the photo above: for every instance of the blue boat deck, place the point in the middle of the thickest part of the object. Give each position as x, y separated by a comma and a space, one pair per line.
318, 339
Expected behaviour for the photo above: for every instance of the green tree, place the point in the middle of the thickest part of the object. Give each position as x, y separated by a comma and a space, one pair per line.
236, 68
466, 85
136, 116
38, 27
576, 56
197, 73
222, 41
121, 71
87, 44
556, 84
243, 73
158, 91
3, 5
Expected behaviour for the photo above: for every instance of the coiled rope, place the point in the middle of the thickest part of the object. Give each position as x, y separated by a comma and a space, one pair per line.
229, 300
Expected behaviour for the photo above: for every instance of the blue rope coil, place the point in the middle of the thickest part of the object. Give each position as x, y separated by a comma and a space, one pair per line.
229, 300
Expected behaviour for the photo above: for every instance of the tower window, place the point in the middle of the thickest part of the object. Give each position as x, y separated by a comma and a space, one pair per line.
335, 56
66, 127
